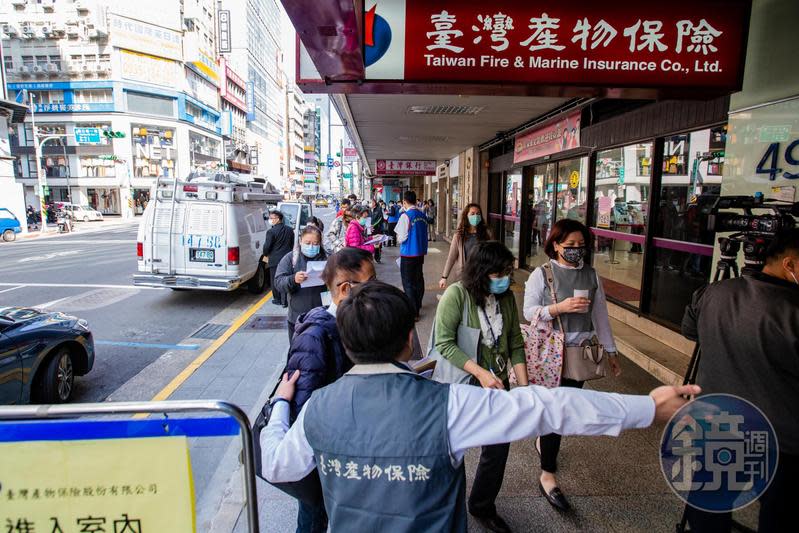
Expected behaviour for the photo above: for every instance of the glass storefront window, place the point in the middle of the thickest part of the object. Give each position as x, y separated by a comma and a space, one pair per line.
622, 188
683, 247
572, 189
512, 225
540, 199
454, 204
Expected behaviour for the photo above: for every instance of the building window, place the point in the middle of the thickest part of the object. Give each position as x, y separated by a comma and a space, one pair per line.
93, 167
56, 60
47, 97
41, 61
151, 105
8, 62
93, 96
46, 129
28, 61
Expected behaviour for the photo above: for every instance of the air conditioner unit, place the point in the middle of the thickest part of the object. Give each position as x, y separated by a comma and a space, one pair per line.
38, 69
28, 32
86, 68
25, 70
73, 31
105, 67
53, 68
48, 5
92, 33
47, 31
74, 69
18, 3
81, 6
58, 31
98, 67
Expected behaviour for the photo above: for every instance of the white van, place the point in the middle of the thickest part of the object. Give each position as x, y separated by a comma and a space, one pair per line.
205, 232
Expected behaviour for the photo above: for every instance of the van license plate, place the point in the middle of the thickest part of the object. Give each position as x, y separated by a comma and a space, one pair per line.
201, 254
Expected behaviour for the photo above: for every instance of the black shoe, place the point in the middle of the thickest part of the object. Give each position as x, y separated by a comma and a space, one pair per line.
493, 523
555, 498
277, 302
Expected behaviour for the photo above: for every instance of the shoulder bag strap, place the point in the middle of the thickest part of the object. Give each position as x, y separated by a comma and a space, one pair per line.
548, 275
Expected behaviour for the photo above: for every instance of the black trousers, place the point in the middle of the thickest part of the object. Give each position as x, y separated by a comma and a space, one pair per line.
488, 480
291, 326
276, 296
550, 444
412, 273
392, 233
776, 504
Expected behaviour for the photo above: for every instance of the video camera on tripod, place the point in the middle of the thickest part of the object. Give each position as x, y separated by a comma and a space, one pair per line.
752, 232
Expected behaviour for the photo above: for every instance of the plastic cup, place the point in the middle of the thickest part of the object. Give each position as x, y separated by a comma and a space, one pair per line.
580, 293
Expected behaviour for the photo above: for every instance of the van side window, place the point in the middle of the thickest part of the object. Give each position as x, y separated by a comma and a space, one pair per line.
305, 215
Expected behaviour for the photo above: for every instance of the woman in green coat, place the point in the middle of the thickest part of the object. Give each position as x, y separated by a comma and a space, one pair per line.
484, 288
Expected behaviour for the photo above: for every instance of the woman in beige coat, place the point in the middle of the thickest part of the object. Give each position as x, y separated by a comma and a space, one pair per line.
471, 230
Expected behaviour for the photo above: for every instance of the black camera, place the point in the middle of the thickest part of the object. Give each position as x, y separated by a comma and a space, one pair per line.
752, 232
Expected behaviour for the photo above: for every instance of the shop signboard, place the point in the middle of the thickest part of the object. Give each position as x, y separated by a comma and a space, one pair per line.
143, 37
250, 98
626, 43
563, 134
405, 167
74, 108
350, 155
147, 68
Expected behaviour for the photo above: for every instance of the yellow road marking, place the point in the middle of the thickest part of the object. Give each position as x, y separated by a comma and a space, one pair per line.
178, 380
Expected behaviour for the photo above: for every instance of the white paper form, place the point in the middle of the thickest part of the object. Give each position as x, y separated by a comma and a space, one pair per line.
314, 271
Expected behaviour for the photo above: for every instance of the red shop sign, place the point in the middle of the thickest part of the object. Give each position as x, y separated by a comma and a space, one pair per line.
555, 137
624, 43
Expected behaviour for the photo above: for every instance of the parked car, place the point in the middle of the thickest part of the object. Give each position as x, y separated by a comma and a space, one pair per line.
320, 202
81, 212
40, 355
9, 225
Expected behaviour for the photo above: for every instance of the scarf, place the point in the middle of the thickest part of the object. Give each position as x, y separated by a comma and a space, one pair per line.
490, 321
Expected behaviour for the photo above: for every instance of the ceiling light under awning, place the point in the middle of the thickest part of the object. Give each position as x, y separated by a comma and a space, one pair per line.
445, 109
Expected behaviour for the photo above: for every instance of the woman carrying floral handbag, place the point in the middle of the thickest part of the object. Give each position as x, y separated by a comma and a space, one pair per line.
567, 293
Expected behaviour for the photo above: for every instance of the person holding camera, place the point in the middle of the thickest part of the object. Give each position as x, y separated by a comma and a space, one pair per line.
748, 331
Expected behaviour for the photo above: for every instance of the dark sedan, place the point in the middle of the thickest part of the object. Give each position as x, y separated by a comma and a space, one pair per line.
40, 355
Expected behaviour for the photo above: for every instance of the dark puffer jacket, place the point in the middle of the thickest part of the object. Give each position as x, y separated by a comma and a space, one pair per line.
317, 353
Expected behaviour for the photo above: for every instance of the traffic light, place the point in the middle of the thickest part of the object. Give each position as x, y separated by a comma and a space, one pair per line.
338, 154
110, 134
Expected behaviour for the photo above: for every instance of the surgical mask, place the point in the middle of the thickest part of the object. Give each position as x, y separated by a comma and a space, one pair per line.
499, 285
475, 219
310, 250
362, 222
573, 255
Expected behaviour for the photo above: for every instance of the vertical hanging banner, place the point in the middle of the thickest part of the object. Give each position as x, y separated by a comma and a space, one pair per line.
680, 44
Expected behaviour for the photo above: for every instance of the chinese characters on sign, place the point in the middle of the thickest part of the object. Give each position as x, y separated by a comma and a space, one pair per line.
405, 167
142, 37
135, 485
719, 453
72, 108
352, 470
622, 43
558, 136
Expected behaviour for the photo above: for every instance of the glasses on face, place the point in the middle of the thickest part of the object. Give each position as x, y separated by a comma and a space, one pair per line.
353, 282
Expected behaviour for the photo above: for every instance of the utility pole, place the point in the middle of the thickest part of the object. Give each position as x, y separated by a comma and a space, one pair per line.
39, 174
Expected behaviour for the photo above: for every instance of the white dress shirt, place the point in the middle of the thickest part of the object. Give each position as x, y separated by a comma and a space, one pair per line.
535, 298
475, 417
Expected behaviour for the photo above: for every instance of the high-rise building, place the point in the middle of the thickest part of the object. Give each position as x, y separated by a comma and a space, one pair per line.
255, 38
144, 73
295, 138
313, 140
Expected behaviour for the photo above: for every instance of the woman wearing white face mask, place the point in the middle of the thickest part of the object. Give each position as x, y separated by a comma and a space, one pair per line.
584, 319
291, 273
484, 298
471, 230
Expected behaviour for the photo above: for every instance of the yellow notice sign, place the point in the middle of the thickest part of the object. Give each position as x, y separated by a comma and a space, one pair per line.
141, 485
574, 179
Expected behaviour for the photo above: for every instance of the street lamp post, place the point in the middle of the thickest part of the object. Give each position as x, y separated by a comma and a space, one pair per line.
39, 174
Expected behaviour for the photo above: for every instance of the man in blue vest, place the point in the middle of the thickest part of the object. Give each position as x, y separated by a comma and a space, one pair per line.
411, 233
388, 444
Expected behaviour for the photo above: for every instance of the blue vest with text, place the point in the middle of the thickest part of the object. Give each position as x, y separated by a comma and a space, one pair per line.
416, 243
382, 451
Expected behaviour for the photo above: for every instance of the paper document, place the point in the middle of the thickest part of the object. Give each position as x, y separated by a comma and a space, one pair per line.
314, 271
377, 239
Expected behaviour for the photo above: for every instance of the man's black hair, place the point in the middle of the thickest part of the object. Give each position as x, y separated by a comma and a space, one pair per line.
278, 213
489, 257
348, 260
345, 201
409, 197
784, 241
374, 322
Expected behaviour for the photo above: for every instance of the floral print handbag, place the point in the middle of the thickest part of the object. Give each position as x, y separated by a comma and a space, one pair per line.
543, 347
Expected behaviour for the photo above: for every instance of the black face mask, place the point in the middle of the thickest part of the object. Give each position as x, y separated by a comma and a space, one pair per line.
573, 255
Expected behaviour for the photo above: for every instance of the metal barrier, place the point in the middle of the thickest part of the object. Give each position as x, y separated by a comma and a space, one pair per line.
189, 428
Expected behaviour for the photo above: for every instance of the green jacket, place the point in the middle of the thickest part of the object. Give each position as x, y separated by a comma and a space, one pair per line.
448, 318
